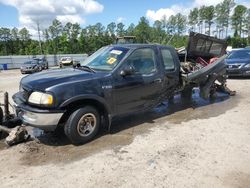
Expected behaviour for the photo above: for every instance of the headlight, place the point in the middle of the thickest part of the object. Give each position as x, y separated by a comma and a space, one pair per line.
247, 65
41, 98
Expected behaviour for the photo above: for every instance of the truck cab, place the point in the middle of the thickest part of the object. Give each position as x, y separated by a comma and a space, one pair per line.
116, 80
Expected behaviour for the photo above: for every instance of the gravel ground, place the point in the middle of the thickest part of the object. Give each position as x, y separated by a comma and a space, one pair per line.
201, 144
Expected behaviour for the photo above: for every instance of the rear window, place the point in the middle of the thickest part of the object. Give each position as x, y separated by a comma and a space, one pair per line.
167, 59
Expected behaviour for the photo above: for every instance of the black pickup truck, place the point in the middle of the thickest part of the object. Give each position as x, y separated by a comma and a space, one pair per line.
116, 80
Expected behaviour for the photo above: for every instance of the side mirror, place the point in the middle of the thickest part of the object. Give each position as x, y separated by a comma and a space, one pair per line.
128, 70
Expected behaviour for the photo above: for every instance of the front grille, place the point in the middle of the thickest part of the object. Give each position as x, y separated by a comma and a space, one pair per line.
233, 66
25, 94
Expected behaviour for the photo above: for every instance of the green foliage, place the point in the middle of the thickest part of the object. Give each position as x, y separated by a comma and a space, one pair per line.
193, 18
238, 19
71, 38
237, 42
143, 30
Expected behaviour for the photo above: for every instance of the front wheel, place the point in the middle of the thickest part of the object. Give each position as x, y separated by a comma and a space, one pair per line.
82, 125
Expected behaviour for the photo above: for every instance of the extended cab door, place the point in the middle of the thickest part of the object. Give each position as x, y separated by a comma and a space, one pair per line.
141, 89
171, 70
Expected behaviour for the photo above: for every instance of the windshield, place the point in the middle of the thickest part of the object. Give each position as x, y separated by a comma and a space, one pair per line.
240, 54
106, 58
28, 62
66, 59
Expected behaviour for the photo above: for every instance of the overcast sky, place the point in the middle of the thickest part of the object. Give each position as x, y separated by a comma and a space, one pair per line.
25, 13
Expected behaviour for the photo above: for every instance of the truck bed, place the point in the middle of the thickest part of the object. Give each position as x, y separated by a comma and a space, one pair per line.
218, 67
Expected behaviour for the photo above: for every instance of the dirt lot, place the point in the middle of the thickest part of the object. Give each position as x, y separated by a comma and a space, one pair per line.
201, 144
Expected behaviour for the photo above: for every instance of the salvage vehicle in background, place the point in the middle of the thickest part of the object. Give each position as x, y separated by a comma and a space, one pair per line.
31, 67
238, 62
43, 62
68, 62
117, 80
125, 40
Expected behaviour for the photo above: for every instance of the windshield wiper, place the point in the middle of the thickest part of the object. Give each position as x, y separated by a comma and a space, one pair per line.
87, 68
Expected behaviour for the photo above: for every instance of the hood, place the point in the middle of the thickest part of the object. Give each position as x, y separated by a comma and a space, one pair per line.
43, 80
237, 61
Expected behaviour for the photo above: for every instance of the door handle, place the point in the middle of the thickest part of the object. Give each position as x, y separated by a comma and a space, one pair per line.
158, 80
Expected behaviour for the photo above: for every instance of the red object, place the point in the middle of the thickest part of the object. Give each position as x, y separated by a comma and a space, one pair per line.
201, 61
205, 63
212, 60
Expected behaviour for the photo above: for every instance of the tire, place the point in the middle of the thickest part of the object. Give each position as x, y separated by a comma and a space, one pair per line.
82, 125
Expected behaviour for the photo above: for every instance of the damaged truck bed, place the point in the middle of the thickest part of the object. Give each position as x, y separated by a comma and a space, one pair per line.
117, 80
203, 65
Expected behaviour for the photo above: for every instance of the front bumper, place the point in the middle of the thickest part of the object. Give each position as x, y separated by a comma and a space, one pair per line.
66, 64
28, 70
238, 72
43, 119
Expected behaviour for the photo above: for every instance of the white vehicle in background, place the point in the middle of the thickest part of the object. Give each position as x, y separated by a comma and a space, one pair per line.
67, 62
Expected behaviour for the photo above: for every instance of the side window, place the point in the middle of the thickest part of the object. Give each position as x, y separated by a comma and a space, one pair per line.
167, 59
143, 61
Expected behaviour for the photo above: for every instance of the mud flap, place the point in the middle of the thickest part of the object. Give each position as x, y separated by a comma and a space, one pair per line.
187, 93
206, 87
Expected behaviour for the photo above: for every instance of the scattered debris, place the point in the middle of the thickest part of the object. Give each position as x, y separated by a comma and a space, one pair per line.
16, 135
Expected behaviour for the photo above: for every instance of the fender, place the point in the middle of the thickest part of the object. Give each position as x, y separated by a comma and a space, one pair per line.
85, 97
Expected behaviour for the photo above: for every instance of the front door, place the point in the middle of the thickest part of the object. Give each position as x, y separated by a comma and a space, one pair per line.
141, 89
171, 70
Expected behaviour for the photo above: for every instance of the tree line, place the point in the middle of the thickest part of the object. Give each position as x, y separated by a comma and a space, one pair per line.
225, 20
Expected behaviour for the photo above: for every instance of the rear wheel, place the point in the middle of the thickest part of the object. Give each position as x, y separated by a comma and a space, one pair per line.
82, 125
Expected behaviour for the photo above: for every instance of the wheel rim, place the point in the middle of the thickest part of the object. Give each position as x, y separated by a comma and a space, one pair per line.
86, 124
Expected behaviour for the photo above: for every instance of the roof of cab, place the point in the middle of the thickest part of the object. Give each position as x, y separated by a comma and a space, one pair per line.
133, 46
